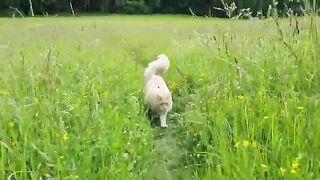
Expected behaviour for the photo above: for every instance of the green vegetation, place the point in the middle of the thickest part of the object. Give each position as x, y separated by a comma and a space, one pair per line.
246, 98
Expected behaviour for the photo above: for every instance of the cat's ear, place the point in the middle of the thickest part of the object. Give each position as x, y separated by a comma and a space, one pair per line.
159, 97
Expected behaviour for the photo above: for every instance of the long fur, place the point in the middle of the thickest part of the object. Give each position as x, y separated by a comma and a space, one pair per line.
157, 94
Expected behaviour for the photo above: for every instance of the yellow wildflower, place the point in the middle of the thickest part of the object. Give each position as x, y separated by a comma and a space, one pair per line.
295, 167
293, 171
201, 78
173, 85
300, 108
104, 94
245, 143
254, 144
65, 136
264, 167
282, 170
4, 93
241, 98
11, 124
295, 164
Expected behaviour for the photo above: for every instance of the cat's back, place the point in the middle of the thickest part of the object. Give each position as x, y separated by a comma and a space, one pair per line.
156, 82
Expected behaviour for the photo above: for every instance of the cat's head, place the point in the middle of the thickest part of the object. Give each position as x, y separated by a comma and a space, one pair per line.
165, 102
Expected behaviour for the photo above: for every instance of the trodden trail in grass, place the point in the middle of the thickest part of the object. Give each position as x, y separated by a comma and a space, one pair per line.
168, 154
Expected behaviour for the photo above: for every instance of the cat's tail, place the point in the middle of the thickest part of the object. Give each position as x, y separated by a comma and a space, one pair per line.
157, 67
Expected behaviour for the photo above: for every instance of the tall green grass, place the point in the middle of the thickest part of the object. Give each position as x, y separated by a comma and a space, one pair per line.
246, 98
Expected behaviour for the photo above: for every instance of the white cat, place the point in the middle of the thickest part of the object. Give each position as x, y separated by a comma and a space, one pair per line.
157, 94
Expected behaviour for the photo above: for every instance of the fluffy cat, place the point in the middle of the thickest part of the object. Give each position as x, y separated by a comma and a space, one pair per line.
157, 94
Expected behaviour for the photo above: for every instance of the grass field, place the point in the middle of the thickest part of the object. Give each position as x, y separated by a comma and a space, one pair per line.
246, 98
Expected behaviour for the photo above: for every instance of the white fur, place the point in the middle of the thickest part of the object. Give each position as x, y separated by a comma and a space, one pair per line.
157, 94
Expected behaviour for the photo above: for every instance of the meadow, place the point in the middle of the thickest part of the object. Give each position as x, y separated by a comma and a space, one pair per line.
246, 98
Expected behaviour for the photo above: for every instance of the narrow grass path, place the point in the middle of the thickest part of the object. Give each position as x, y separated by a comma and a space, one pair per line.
169, 162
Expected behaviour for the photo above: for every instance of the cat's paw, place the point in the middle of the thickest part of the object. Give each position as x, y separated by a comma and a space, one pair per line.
164, 125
